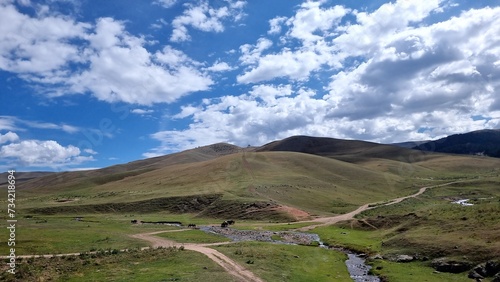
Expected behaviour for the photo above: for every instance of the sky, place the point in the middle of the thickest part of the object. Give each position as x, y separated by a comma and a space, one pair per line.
87, 83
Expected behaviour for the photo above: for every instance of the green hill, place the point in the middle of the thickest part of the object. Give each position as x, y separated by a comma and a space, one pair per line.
315, 175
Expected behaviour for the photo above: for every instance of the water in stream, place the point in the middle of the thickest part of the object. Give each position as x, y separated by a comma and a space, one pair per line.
356, 266
359, 270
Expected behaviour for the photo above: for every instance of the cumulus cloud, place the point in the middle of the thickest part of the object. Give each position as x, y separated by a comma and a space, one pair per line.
205, 18
313, 25
165, 3
219, 67
394, 75
122, 69
111, 64
37, 153
37, 45
428, 68
8, 137
275, 25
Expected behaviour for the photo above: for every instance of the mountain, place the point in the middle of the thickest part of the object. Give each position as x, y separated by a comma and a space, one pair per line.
409, 144
23, 176
353, 151
310, 174
482, 142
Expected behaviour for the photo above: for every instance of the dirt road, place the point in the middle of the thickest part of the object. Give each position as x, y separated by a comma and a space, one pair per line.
233, 268
348, 216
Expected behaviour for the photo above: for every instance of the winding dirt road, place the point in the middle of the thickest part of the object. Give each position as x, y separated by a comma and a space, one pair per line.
232, 267
348, 216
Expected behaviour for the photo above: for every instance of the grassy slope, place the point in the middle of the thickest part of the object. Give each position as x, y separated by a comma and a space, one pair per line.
306, 181
439, 228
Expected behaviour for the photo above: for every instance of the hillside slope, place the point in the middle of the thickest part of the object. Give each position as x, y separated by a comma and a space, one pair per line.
482, 142
315, 175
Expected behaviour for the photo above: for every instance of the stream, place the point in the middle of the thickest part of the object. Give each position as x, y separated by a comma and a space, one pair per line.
358, 269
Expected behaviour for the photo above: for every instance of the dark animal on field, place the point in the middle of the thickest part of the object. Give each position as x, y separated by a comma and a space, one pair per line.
230, 222
133, 221
191, 225
224, 224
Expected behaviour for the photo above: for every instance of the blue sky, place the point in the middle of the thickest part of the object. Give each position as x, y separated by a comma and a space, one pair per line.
88, 84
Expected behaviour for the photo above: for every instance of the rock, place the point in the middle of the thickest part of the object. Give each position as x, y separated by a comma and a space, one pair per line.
404, 258
474, 275
492, 268
496, 278
487, 269
377, 256
451, 266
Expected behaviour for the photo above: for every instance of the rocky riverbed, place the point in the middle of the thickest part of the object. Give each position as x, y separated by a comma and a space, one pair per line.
356, 266
287, 237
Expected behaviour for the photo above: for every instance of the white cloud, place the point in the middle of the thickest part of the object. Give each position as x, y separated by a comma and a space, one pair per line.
313, 26
110, 63
7, 123
37, 46
8, 137
13, 123
141, 111
122, 69
395, 75
35, 153
275, 25
165, 3
312, 23
90, 151
375, 29
296, 65
205, 18
219, 67
427, 68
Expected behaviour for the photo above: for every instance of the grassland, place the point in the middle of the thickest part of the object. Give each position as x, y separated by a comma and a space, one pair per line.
203, 188
55, 234
273, 262
433, 226
151, 265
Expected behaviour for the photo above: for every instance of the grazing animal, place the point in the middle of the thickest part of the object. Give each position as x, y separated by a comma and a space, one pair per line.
230, 222
191, 225
133, 221
224, 224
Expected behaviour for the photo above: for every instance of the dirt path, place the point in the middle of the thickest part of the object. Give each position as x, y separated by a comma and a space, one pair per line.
348, 216
233, 268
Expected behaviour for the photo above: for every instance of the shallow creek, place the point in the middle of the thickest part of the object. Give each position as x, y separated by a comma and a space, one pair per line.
356, 265
359, 270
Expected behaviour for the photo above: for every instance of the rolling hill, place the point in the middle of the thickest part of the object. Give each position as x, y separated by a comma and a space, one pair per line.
482, 142
313, 175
